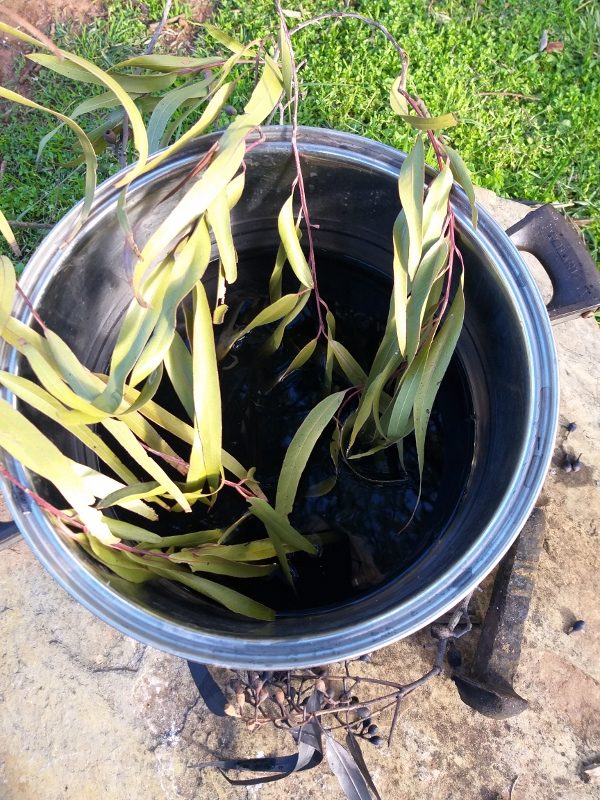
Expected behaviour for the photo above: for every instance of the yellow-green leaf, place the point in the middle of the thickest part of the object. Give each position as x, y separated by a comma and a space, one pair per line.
430, 123
20, 438
397, 100
8, 234
205, 459
286, 225
8, 284
287, 60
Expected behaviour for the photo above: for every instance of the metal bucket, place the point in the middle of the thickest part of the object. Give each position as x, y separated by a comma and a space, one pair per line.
506, 348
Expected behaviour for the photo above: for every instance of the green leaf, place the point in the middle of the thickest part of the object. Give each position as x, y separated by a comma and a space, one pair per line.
234, 601
134, 333
274, 341
8, 285
396, 419
329, 359
430, 267
435, 209
280, 533
277, 274
397, 100
286, 225
86, 146
300, 359
205, 459
78, 70
300, 448
437, 362
162, 63
168, 105
272, 313
430, 123
101, 77
24, 37
219, 219
401, 278
134, 491
118, 562
192, 539
38, 398
199, 562
365, 407
348, 364
411, 183
100, 101
461, 176
178, 363
224, 38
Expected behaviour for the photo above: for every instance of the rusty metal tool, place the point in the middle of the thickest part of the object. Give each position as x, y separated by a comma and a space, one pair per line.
489, 687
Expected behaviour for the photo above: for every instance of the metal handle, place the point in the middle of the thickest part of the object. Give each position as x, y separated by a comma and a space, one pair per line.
8, 532
552, 239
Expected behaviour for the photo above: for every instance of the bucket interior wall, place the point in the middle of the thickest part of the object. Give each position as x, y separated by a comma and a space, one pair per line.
354, 203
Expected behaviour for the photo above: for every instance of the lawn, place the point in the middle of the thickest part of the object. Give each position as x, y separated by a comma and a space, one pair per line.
530, 119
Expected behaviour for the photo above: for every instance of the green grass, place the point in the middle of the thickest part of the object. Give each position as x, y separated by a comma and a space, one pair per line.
538, 150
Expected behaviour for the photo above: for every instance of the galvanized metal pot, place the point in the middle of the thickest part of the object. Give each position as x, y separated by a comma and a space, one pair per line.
507, 351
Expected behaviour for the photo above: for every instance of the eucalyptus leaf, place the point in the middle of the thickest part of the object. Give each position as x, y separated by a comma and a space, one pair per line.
435, 210
397, 100
461, 176
178, 363
411, 183
348, 364
289, 238
430, 123
8, 234
221, 566
8, 285
20, 438
346, 770
436, 364
300, 359
205, 458
300, 448
168, 105
287, 61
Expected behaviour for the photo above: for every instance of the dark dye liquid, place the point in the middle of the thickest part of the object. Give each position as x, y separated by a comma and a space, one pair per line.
375, 527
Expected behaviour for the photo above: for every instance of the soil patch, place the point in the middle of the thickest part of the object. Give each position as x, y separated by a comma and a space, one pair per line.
44, 16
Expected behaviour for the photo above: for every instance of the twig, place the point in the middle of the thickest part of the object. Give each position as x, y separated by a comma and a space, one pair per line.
159, 28
512, 787
516, 95
36, 226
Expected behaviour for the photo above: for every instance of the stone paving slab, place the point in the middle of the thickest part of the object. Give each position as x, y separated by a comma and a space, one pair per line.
86, 713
